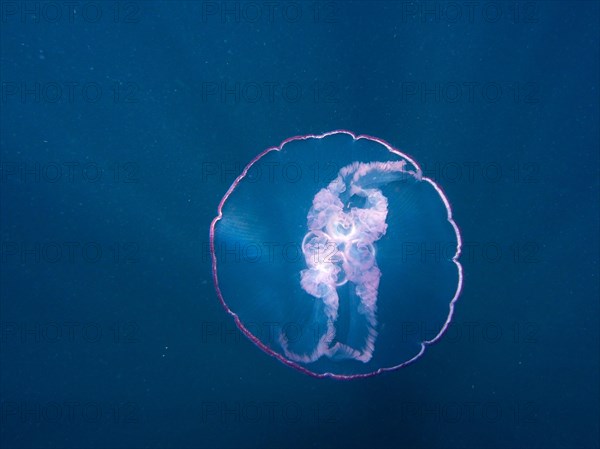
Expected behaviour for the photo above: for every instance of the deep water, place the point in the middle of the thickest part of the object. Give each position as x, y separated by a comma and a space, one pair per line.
123, 124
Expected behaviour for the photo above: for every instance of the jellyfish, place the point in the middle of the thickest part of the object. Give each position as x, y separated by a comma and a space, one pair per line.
335, 255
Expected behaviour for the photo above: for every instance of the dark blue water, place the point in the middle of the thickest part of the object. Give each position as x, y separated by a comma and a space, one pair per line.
124, 123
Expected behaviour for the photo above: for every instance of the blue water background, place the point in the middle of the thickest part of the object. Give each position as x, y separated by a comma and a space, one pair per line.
521, 369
